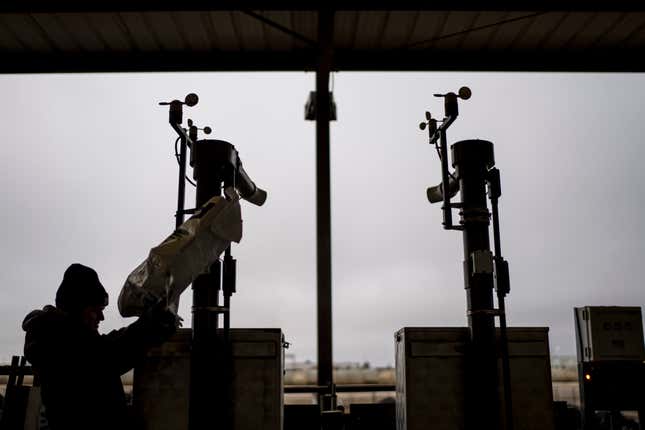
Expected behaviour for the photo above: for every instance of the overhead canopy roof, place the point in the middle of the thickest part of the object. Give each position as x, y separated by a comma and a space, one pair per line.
93, 36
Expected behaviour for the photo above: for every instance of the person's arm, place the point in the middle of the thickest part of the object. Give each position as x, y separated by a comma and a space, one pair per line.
123, 348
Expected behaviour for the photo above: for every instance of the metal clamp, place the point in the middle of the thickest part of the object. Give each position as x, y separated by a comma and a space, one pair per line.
493, 312
475, 215
216, 309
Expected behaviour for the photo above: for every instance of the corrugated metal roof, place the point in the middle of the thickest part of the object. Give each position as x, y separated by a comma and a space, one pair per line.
71, 40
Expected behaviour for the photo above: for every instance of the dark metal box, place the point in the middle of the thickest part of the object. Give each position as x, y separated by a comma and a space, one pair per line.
430, 378
161, 383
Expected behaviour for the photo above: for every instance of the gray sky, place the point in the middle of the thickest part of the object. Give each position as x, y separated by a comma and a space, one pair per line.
89, 176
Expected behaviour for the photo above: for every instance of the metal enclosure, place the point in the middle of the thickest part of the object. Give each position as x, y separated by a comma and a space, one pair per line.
611, 372
609, 333
161, 384
431, 378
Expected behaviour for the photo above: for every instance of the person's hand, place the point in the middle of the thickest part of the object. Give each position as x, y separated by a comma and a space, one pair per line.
161, 320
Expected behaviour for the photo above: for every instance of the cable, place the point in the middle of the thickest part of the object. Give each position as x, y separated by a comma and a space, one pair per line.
470, 30
506, 365
177, 156
176, 150
279, 27
436, 146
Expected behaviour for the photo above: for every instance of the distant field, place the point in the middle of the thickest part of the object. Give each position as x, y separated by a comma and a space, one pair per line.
563, 371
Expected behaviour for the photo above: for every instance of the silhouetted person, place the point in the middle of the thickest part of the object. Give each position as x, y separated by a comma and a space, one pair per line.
79, 368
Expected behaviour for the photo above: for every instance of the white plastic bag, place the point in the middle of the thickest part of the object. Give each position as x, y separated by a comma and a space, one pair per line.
184, 255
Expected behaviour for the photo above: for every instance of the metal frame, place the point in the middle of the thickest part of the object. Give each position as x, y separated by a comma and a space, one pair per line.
323, 209
631, 61
17, 6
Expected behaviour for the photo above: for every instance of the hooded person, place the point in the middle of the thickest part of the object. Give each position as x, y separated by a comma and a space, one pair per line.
79, 369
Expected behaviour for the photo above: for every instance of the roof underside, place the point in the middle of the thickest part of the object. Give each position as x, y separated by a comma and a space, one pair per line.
76, 40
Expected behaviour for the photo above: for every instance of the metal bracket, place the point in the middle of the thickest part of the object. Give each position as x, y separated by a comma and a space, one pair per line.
216, 309
482, 262
475, 215
187, 211
493, 312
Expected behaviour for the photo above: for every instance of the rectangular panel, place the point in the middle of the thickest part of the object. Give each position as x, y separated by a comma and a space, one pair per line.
609, 333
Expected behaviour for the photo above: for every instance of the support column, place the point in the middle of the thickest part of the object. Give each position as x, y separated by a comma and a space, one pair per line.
208, 397
323, 199
472, 159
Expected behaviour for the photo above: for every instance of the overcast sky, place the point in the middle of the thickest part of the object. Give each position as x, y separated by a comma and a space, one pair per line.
89, 176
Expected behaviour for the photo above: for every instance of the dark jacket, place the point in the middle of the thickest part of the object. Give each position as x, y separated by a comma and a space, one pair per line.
80, 369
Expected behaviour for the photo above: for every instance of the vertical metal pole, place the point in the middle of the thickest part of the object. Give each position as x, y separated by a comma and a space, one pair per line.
323, 199
228, 276
181, 192
206, 396
503, 336
447, 211
472, 159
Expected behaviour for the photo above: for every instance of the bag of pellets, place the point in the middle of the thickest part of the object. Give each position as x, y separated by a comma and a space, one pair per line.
184, 255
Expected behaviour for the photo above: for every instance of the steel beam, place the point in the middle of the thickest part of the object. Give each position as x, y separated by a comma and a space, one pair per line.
36, 6
323, 199
593, 60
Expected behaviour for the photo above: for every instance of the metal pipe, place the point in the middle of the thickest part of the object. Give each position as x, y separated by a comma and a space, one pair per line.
207, 395
181, 191
21, 375
175, 118
495, 216
472, 159
7, 369
323, 200
506, 364
445, 179
346, 388
503, 335
13, 370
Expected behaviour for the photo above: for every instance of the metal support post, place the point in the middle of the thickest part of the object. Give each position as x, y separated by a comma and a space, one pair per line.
215, 162
472, 159
181, 191
323, 206
447, 211
206, 399
502, 287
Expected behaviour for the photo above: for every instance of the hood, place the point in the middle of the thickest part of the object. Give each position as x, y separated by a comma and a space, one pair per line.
40, 327
40, 319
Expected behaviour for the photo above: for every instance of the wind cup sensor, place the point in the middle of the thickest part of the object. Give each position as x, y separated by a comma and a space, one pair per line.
190, 100
206, 130
475, 170
223, 155
437, 137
